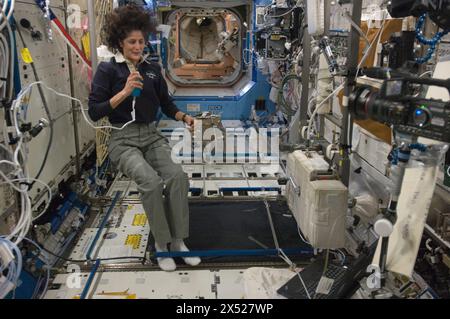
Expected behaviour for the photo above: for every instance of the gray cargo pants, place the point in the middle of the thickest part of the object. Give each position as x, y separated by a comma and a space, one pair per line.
144, 155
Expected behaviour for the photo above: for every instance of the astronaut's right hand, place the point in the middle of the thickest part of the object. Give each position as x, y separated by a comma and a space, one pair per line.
134, 80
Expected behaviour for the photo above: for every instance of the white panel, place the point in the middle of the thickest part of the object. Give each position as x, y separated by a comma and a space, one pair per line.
161, 285
113, 244
127, 225
262, 170
213, 177
50, 59
370, 148
134, 216
228, 171
64, 292
231, 284
192, 284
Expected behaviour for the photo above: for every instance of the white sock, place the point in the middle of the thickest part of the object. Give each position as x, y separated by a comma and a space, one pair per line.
165, 263
179, 245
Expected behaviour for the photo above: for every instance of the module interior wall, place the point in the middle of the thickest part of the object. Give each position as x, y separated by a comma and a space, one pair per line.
51, 61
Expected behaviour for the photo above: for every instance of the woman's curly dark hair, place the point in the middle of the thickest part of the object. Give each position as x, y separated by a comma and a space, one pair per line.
123, 20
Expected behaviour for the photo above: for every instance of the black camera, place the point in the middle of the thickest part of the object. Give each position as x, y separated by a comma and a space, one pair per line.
439, 10
393, 104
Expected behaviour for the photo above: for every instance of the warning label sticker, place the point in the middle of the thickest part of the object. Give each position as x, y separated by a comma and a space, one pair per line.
139, 220
133, 240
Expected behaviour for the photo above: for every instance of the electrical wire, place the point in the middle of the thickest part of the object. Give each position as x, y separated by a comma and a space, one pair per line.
293, 267
24, 223
4, 65
46, 108
281, 99
327, 244
47, 266
25, 220
5, 15
11, 64
71, 260
363, 59
44, 291
36, 288
426, 72
9, 270
342, 255
301, 236
79, 260
9, 49
310, 104
280, 15
83, 110
324, 271
357, 27
49, 190
375, 40
319, 106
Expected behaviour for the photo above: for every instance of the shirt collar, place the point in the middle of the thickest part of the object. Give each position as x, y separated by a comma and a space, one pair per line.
121, 59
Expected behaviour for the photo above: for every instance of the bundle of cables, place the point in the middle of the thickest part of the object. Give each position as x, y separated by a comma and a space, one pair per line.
14, 173
290, 93
10, 266
6, 52
322, 104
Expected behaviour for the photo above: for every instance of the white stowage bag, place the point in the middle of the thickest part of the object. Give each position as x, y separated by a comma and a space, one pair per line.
412, 211
316, 18
263, 283
104, 54
320, 208
366, 207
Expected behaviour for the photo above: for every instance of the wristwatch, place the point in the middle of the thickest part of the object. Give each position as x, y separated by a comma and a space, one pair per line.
182, 118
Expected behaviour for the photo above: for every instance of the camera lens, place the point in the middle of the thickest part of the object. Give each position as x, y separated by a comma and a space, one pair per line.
421, 116
360, 102
385, 111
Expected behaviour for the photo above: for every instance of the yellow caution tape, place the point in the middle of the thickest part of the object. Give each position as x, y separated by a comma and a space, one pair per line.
118, 294
26, 56
85, 44
114, 293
